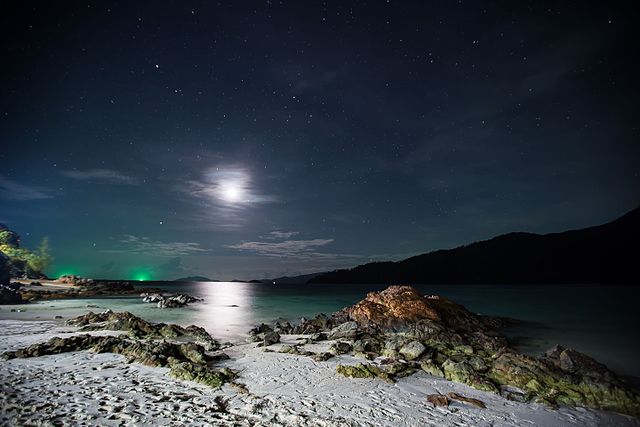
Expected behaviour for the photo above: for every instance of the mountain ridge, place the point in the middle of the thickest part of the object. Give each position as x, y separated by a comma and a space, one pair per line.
601, 253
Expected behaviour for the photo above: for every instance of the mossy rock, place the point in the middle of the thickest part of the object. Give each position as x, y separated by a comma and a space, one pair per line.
201, 374
431, 368
355, 371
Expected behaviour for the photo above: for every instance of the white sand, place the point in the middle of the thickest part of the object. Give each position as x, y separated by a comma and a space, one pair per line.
288, 390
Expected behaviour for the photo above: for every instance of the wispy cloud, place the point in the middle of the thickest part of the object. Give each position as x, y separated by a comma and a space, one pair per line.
280, 235
145, 245
12, 190
288, 248
101, 175
295, 249
228, 186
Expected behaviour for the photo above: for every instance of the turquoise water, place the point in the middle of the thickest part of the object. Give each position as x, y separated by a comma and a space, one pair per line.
600, 320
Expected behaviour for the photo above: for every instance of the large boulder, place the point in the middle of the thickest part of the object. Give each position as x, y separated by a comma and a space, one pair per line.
394, 306
412, 350
345, 331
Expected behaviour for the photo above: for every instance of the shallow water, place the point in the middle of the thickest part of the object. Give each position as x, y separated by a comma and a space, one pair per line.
600, 320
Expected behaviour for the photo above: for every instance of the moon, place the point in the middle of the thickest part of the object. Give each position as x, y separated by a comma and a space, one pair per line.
231, 192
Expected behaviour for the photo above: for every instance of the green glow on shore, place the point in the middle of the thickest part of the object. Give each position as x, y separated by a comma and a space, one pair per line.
142, 275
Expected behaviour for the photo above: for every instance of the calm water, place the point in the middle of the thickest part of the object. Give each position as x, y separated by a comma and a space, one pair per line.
599, 320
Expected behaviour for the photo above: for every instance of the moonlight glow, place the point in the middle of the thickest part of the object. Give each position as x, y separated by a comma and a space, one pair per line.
231, 192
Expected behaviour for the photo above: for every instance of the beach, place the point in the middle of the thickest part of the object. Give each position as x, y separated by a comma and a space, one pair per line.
281, 390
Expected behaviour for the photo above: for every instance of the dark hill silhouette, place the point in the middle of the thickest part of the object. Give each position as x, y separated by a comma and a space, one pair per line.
606, 253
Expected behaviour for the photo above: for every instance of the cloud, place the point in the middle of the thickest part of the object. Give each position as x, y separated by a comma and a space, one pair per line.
288, 248
147, 246
280, 235
12, 190
232, 187
101, 176
224, 195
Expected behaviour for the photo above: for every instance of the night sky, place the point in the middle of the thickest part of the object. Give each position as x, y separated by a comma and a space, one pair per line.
252, 140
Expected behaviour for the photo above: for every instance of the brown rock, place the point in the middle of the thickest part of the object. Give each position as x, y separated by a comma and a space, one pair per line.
471, 400
438, 400
392, 306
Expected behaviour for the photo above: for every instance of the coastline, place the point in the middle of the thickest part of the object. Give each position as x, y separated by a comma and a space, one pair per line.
283, 389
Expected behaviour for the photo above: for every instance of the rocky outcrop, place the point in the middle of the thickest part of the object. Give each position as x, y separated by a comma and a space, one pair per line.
187, 361
72, 279
85, 288
140, 328
402, 332
169, 301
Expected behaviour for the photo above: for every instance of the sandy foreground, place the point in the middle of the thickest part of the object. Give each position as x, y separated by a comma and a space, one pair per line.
283, 390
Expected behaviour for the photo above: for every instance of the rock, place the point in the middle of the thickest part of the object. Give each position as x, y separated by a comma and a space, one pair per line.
288, 349
413, 350
431, 368
319, 323
451, 342
175, 301
186, 360
574, 362
340, 347
260, 329
137, 327
472, 401
438, 400
354, 371
595, 386
345, 331
9, 295
460, 372
320, 336
151, 297
367, 345
477, 364
72, 279
322, 357
284, 328
393, 306
271, 338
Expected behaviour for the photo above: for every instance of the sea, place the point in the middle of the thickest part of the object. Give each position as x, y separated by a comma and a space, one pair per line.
602, 321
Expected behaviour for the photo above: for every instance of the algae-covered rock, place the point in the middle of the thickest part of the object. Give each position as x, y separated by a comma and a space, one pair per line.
597, 388
354, 371
201, 374
451, 342
340, 347
322, 357
412, 350
187, 360
140, 328
431, 368
460, 372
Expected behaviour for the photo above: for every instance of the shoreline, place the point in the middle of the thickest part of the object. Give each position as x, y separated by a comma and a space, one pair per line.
283, 389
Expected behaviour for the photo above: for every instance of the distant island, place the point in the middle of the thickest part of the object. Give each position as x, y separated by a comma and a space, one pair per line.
195, 279
601, 254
